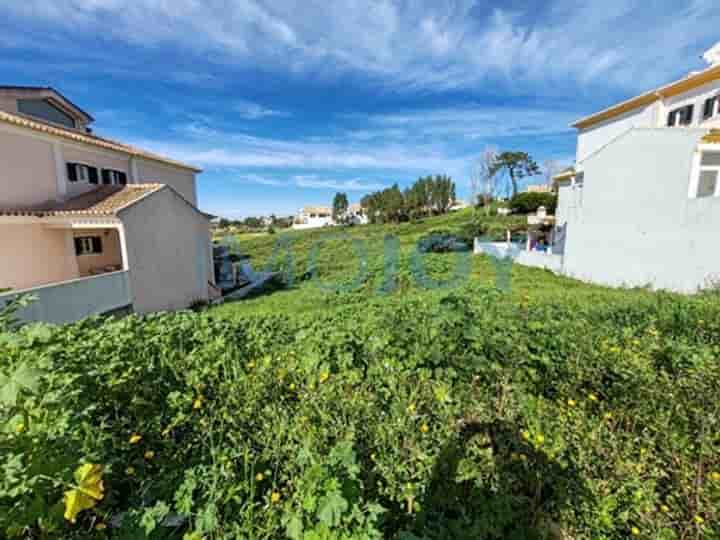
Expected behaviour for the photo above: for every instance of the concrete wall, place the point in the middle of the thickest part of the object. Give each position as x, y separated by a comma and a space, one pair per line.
535, 259
636, 225
34, 169
74, 300
181, 180
34, 255
27, 174
100, 158
592, 139
111, 251
168, 246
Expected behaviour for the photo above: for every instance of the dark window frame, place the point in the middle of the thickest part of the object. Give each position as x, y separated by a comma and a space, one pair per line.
94, 242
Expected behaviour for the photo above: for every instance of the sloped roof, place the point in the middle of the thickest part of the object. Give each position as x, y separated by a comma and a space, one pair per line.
87, 138
48, 92
693, 80
104, 201
712, 138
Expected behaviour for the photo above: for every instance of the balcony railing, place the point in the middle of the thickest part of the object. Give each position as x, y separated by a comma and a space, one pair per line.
69, 301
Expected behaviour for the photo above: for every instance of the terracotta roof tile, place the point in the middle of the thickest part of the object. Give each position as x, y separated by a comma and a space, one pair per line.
713, 137
103, 201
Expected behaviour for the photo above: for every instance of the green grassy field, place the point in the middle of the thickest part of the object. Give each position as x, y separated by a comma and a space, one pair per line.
546, 409
338, 257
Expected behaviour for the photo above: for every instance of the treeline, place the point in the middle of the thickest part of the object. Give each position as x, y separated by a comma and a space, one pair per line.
428, 196
253, 223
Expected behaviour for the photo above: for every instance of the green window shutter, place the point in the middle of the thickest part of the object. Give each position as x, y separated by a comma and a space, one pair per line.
97, 244
93, 172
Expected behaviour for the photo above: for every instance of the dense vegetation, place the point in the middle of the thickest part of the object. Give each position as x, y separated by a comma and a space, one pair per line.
540, 408
426, 197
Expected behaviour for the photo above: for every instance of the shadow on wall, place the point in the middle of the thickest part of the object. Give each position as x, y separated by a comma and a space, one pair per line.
513, 497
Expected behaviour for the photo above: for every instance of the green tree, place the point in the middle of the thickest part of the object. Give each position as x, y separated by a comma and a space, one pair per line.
340, 207
517, 165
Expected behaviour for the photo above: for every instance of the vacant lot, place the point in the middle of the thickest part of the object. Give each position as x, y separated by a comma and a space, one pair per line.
346, 408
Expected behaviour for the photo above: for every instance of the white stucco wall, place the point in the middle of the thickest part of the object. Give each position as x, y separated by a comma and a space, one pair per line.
35, 255
95, 157
181, 180
168, 245
592, 139
695, 97
637, 225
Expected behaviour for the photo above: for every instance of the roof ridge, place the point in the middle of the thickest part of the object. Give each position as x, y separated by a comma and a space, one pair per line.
87, 138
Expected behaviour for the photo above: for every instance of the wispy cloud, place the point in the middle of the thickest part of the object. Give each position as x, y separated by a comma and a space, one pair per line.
311, 181
433, 45
254, 111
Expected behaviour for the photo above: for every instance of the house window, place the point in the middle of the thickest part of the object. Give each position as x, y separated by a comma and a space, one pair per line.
79, 172
707, 182
88, 245
710, 108
112, 177
681, 117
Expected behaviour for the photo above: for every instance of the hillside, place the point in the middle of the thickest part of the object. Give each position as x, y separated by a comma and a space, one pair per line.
552, 410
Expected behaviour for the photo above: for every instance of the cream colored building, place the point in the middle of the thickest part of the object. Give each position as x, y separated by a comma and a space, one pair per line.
89, 225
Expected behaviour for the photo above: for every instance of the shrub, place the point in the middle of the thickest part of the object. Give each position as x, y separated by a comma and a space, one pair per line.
527, 203
461, 415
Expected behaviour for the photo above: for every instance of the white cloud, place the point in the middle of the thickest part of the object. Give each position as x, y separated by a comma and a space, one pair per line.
310, 181
431, 44
255, 111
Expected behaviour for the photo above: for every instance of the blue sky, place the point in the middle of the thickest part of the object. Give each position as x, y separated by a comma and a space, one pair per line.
285, 102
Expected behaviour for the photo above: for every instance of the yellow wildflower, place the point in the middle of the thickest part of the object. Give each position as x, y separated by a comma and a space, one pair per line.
197, 404
715, 476
699, 520
259, 477
635, 531
149, 455
135, 438
250, 365
275, 497
540, 439
665, 508
592, 397
526, 435
424, 428
608, 416
411, 408
87, 493
130, 471
20, 428
571, 402
324, 376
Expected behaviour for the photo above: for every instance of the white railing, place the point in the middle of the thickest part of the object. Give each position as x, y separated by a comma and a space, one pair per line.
69, 301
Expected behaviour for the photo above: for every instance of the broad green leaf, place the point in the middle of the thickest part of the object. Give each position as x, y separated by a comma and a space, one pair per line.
331, 509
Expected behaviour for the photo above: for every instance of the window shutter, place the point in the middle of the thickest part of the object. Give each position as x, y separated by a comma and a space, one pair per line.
123, 178
72, 172
105, 176
688, 114
671, 119
78, 246
97, 244
709, 106
93, 175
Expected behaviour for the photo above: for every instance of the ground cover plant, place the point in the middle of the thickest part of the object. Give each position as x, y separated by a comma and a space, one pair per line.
549, 409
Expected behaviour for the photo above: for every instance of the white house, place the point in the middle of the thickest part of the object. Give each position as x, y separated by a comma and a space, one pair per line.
314, 217
642, 204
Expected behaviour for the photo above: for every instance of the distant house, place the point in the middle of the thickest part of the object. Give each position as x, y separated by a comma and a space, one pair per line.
642, 204
539, 188
314, 217
90, 225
